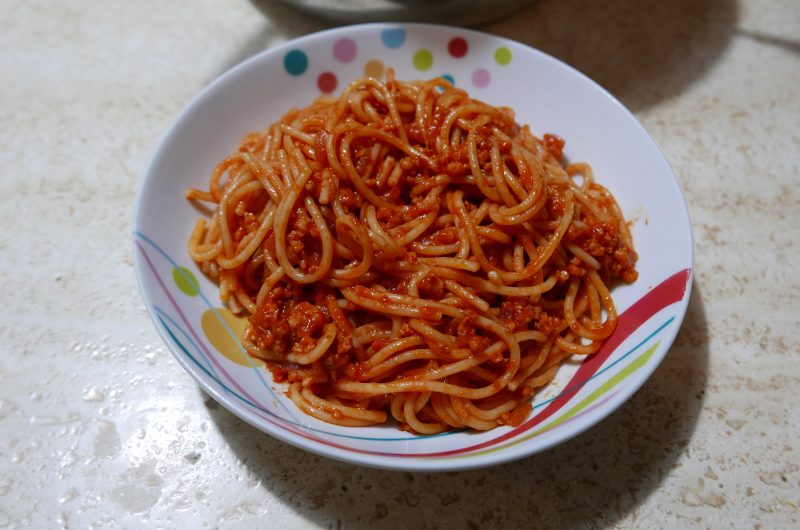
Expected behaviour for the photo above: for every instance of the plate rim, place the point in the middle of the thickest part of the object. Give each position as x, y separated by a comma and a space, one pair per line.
411, 462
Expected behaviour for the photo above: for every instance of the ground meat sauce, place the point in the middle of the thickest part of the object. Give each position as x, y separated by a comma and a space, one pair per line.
292, 318
601, 240
284, 321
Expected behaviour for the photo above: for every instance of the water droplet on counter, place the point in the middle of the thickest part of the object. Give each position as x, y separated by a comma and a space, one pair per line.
6, 408
41, 421
193, 457
69, 495
93, 394
5, 485
103, 522
139, 489
68, 458
106, 443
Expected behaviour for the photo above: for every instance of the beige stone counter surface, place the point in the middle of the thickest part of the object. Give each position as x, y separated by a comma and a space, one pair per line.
101, 428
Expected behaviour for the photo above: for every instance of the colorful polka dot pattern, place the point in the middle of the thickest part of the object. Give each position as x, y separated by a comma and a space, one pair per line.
295, 62
327, 82
423, 59
481, 78
373, 68
393, 37
458, 47
345, 51
502, 55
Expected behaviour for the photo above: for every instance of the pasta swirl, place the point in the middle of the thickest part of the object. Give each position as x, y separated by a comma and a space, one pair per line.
407, 251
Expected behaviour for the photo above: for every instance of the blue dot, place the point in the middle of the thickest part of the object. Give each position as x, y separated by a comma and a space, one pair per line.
393, 37
449, 78
295, 62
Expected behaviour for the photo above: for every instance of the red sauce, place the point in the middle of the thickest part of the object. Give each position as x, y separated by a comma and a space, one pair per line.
554, 144
517, 313
516, 416
602, 241
292, 316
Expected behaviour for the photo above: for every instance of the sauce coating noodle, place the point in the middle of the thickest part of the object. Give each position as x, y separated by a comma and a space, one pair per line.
407, 251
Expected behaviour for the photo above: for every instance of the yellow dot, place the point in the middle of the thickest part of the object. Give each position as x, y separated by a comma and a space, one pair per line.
185, 281
228, 343
423, 59
373, 68
502, 55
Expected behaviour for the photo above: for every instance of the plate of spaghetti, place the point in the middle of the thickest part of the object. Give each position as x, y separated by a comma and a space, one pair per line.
413, 247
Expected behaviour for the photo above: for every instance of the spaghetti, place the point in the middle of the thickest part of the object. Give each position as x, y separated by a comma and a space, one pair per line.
407, 251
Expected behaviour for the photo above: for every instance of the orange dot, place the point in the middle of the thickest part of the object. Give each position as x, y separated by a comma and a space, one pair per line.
223, 330
373, 68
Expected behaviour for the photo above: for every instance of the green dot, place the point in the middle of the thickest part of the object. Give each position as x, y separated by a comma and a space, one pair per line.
423, 59
502, 55
185, 281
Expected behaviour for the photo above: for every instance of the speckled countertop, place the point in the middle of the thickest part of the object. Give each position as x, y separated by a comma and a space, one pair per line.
99, 427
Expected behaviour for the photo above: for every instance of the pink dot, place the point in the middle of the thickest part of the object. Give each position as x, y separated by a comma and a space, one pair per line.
327, 82
344, 50
481, 78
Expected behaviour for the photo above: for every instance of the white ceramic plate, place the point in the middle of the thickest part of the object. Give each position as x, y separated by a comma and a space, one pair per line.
548, 95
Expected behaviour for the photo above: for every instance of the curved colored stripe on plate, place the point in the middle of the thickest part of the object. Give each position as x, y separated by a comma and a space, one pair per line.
177, 307
268, 415
194, 333
259, 409
668, 292
591, 398
305, 431
605, 387
163, 315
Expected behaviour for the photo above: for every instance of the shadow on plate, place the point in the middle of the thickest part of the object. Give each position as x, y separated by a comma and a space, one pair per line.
643, 52
598, 478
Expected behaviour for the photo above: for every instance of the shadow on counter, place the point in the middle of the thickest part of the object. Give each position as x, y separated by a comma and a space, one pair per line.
598, 478
281, 23
643, 52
